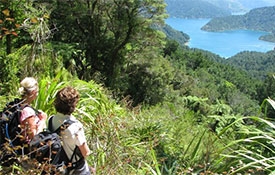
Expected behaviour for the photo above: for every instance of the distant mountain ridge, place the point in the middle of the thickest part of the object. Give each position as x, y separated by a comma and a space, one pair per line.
194, 9
212, 8
236, 6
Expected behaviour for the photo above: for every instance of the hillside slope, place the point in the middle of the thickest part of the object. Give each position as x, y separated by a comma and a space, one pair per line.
194, 9
179, 36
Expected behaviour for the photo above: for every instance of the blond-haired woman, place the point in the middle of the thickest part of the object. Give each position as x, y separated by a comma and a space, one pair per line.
32, 121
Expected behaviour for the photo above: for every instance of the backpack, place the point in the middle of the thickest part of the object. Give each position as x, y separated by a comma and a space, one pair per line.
10, 139
46, 147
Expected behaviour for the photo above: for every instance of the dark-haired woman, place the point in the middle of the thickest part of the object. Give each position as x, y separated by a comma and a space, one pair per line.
73, 136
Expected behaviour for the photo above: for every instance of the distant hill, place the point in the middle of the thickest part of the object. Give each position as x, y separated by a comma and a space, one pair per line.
179, 36
194, 9
229, 5
261, 19
212, 8
257, 64
252, 4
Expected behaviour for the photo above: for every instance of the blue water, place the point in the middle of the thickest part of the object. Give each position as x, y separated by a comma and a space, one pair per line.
224, 44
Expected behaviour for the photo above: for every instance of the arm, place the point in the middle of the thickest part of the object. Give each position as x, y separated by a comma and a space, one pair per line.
85, 151
42, 121
30, 127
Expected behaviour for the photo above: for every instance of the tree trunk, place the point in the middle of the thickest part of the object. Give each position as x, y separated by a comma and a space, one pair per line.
8, 44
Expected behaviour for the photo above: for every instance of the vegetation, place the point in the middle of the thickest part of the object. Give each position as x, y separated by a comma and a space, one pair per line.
258, 64
180, 37
150, 105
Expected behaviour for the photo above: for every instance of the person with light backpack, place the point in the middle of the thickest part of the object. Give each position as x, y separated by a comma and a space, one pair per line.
19, 123
72, 136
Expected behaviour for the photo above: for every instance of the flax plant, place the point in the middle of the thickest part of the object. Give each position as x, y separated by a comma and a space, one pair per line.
253, 149
48, 88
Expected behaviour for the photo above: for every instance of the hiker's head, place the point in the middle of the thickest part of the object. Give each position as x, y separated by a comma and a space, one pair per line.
29, 88
66, 100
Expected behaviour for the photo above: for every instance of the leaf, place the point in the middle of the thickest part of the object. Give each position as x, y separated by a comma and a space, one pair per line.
17, 25
1, 21
7, 32
46, 16
4, 28
14, 33
34, 20
272, 102
6, 12
10, 19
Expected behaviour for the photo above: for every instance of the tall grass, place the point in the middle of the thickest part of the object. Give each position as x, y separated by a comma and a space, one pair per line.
164, 139
253, 150
109, 128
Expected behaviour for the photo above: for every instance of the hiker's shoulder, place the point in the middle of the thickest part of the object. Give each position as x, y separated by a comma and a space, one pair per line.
74, 125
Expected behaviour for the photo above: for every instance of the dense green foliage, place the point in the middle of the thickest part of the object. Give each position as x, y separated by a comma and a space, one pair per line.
258, 64
178, 36
102, 30
150, 105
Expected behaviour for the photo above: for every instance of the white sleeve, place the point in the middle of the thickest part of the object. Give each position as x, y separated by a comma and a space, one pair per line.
77, 133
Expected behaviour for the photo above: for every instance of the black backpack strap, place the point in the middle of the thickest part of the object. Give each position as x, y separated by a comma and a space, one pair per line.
79, 163
50, 124
76, 153
64, 126
16, 103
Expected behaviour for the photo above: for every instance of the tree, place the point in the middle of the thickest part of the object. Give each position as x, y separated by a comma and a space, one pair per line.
102, 29
11, 18
265, 91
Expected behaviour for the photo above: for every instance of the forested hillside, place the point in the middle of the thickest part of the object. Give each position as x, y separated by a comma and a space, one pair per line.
261, 19
194, 9
179, 36
149, 103
258, 64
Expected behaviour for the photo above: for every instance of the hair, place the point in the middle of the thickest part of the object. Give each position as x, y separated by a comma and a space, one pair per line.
66, 100
27, 85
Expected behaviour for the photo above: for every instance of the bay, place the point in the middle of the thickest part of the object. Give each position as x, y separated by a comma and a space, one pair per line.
224, 44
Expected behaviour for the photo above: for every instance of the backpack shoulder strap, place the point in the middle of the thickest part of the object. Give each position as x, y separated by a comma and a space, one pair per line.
50, 124
63, 126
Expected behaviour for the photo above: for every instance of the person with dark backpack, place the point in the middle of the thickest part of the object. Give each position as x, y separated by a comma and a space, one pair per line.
19, 122
47, 148
71, 132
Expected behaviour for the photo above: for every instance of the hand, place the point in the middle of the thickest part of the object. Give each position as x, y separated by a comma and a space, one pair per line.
42, 123
42, 115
